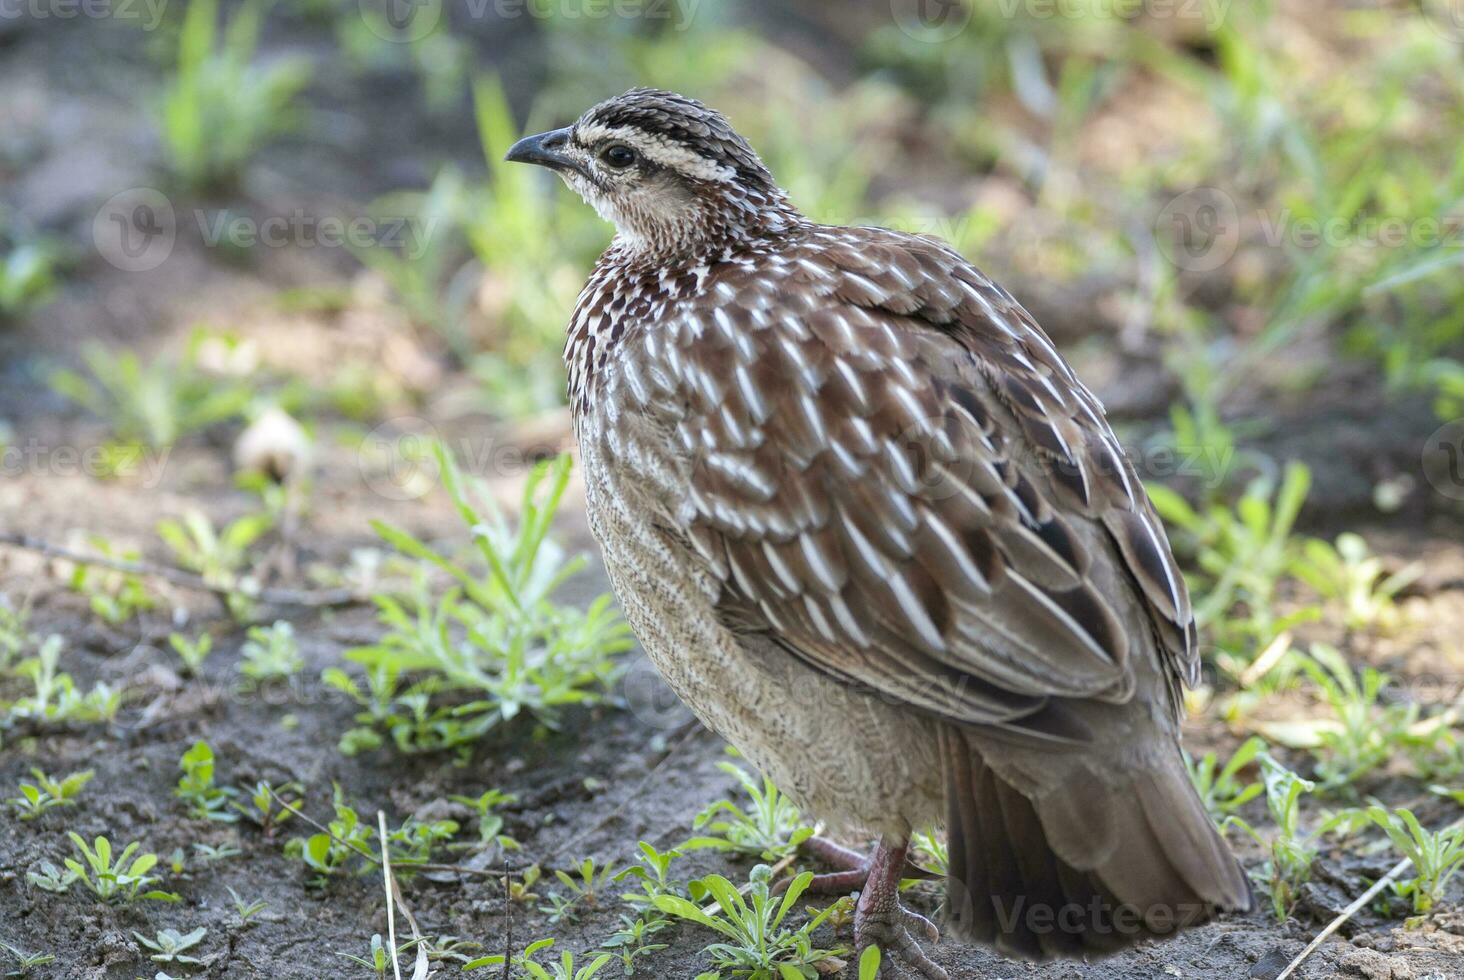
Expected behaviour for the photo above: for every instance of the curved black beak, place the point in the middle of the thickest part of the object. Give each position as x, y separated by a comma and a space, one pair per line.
543, 150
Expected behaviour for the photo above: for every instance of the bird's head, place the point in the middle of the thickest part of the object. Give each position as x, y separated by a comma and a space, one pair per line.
670, 174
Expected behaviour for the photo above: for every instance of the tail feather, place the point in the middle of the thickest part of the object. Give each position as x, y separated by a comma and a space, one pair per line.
1089, 867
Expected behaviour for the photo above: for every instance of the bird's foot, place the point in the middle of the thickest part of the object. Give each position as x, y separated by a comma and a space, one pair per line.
880, 920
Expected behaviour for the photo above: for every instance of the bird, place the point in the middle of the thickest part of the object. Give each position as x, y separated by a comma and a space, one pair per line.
869, 525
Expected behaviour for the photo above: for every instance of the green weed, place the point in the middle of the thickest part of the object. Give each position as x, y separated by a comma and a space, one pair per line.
47, 793
114, 879
563, 969
1220, 787
221, 557
1437, 856
196, 787
1364, 733
1292, 851
219, 109
493, 644
1349, 576
271, 653
769, 827
54, 699
756, 942
152, 404
192, 652
114, 596
171, 946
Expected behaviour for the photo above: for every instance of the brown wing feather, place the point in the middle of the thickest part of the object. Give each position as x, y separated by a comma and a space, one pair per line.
897, 476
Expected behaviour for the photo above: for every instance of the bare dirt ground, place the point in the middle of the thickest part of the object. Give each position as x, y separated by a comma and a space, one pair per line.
72, 142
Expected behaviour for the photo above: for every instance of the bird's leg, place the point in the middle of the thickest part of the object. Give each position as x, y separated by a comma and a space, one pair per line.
880, 919
853, 868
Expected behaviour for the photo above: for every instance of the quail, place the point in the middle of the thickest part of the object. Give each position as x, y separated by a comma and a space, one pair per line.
872, 529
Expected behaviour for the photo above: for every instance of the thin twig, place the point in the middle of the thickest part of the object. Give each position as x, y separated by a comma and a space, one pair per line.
320, 598
389, 885
507, 927
1347, 913
1359, 903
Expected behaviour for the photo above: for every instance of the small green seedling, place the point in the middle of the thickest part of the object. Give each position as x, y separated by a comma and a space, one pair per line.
770, 827
47, 793
25, 962
119, 880
377, 960
1437, 856
192, 652
212, 854
263, 808
1348, 575
271, 653
153, 404
220, 556
1220, 787
653, 872
631, 943
114, 596
220, 107
564, 969
495, 644
49, 878
490, 823
1367, 732
171, 946
933, 852
584, 890
1293, 851
196, 787
54, 699
245, 910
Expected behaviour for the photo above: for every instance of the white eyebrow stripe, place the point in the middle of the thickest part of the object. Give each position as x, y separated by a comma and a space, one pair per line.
658, 149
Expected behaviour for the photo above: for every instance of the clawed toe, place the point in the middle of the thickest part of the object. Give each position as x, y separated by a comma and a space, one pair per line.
902, 952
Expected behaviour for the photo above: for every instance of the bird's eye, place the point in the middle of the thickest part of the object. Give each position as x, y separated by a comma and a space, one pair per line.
618, 155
